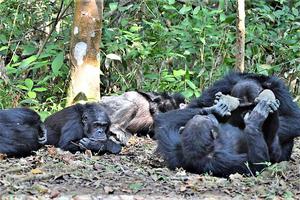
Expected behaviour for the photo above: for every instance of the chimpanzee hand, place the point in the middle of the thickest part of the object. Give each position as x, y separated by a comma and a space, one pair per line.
95, 146
274, 105
100, 146
221, 109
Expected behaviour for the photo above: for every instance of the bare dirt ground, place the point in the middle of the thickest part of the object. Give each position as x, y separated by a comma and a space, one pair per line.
135, 174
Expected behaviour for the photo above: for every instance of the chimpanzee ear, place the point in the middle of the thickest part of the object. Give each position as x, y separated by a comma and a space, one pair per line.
150, 96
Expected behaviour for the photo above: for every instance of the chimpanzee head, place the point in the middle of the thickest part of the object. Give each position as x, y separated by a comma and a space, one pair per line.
163, 102
202, 129
246, 90
96, 122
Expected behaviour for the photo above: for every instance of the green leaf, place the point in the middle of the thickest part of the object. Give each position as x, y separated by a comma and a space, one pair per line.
167, 7
196, 10
185, 9
22, 87
113, 6
136, 187
57, 63
191, 84
28, 50
152, 76
135, 28
171, 2
39, 89
295, 12
31, 94
28, 83
222, 17
3, 48
25, 63
188, 93
170, 79
3, 38
179, 72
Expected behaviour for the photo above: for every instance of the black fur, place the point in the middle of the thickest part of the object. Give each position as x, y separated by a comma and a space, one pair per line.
80, 127
21, 132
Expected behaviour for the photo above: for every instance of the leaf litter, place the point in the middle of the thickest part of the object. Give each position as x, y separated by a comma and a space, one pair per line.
137, 173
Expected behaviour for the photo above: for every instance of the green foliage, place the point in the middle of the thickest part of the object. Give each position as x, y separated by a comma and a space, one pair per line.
164, 45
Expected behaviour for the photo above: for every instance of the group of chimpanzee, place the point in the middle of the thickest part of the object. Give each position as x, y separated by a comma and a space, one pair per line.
239, 124
99, 127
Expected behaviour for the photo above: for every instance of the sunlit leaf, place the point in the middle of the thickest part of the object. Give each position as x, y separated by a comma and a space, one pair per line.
57, 63
28, 83
185, 9
113, 6
31, 94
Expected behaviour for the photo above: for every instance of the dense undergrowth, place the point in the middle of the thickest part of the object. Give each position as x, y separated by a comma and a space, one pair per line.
163, 45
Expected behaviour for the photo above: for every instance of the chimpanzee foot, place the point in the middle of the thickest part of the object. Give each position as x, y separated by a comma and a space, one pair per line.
231, 102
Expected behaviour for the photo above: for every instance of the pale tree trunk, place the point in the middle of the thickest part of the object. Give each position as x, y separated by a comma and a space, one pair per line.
85, 51
240, 42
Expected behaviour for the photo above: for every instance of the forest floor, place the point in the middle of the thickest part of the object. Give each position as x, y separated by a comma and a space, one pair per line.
137, 173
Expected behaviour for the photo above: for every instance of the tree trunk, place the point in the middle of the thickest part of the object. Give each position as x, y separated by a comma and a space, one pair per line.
85, 51
240, 42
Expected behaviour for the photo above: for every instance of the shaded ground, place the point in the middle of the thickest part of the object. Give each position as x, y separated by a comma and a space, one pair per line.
136, 174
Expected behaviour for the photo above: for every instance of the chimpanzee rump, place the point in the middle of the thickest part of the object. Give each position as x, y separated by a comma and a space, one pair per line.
21, 132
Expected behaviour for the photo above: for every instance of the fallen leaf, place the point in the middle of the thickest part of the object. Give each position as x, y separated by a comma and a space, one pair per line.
88, 153
3, 156
108, 190
51, 150
36, 171
54, 193
235, 176
183, 188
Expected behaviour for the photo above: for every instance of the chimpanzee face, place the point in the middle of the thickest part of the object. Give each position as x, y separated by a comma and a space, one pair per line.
95, 123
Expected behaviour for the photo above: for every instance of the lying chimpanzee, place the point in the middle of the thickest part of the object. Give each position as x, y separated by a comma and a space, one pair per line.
246, 86
80, 127
193, 138
132, 112
21, 132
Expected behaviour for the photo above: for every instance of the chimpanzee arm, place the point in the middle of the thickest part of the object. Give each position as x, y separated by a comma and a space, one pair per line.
223, 85
120, 120
71, 133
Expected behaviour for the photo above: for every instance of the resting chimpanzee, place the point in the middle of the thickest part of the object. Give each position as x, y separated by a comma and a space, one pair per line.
237, 84
80, 127
193, 138
132, 112
21, 132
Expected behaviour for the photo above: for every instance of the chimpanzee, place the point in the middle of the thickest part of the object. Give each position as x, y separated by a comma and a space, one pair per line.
239, 85
21, 132
194, 139
133, 111
80, 127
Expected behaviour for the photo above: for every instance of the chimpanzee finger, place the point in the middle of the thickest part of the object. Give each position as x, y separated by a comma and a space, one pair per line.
273, 107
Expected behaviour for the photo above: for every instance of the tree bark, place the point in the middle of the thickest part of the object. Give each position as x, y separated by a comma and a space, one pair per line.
240, 42
85, 51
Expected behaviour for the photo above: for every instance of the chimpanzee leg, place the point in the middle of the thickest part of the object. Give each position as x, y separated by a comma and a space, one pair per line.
257, 147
